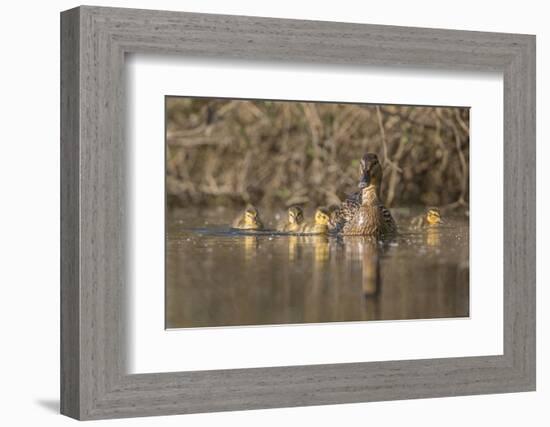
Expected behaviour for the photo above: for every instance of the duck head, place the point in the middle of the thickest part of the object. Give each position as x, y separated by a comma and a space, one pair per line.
371, 171
295, 215
433, 216
322, 216
251, 215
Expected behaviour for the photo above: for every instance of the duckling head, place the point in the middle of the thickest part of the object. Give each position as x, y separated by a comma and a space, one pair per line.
322, 216
333, 213
251, 215
433, 216
371, 171
295, 215
332, 208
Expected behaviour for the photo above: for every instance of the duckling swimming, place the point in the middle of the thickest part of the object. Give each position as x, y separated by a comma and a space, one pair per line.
248, 220
320, 226
295, 220
430, 218
362, 213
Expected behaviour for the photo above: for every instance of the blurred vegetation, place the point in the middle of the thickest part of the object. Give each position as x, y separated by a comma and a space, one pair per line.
276, 154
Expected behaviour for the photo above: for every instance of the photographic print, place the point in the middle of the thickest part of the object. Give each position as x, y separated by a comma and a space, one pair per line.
292, 212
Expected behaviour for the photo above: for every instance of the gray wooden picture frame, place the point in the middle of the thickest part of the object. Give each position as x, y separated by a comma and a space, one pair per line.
94, 381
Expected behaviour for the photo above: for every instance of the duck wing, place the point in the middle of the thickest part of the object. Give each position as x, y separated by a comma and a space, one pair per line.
345, 212
389, 223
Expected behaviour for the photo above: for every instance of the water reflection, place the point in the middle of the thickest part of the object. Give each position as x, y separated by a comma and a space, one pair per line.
322, 250
433, 237
366, 250
250, 246
221, 278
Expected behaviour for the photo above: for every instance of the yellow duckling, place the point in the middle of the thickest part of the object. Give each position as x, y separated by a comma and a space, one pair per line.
320, 226
295, 220
430, 218
248, 220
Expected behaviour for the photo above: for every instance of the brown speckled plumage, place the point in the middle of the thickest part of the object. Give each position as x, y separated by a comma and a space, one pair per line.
362, 213
345, 212
371, 218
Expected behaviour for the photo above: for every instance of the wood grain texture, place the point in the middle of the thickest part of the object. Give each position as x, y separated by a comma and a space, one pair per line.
95, 274
70, 292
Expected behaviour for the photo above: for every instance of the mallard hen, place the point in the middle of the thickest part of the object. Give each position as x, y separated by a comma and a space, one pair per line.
362, 213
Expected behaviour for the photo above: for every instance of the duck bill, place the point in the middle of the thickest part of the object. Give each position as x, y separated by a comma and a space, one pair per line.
365, 181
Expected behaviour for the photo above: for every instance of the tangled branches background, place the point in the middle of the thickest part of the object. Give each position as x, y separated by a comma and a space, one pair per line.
276, 154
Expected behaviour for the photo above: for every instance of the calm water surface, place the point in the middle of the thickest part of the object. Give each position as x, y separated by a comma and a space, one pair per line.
219, 277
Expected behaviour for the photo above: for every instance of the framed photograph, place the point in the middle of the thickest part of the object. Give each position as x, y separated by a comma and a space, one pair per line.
263, 213
260, 219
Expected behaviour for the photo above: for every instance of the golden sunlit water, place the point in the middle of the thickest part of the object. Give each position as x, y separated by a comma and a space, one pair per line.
216, 276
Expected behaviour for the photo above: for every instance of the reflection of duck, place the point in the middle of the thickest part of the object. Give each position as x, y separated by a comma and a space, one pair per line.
366, 250
371, 269
433, 236
364, 214
295, 220
248, 220
430, 218
320, 225
294, 252
297, 244
321, 249
250, 247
